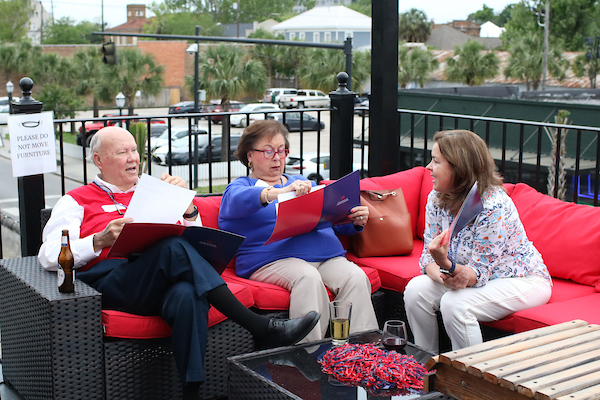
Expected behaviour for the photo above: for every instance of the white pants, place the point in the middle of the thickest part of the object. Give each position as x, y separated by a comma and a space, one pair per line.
307, 282
463, 309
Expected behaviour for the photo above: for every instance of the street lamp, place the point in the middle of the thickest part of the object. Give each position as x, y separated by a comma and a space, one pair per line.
120, 100
194, 49
9, 89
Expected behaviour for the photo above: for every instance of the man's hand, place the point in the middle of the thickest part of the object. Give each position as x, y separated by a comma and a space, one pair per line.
173, 180
109, 235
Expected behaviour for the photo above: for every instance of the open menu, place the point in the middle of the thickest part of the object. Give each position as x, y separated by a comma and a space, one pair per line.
216, 246
324, 207
470, 208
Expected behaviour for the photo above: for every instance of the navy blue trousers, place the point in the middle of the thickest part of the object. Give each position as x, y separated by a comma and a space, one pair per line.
171, 280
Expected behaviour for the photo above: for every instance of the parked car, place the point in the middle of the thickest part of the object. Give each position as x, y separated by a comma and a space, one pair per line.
180, 150
216, 108
182, 107
292, 121
87, 131
272, 94
3, 114
176, 133
242, 119
358, 107
157, 129
304, 98
4, 100
309, 166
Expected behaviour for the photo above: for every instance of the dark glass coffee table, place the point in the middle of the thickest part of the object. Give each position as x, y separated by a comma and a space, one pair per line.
293, 373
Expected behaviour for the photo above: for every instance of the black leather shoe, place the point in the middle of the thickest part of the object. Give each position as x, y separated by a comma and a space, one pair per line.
285, 332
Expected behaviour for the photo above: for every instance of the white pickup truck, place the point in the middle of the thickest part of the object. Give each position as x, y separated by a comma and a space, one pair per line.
304, 98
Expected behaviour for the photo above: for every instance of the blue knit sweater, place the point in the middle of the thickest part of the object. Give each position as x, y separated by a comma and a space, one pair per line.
241, 212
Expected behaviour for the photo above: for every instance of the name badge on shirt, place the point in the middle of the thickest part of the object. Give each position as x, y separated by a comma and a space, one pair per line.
113, 207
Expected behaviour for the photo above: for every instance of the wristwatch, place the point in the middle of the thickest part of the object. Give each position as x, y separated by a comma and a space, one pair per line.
192, 214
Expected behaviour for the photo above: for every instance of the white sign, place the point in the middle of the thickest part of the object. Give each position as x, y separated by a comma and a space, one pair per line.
32, 143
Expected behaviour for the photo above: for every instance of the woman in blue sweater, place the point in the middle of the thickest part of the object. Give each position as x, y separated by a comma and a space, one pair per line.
307, 264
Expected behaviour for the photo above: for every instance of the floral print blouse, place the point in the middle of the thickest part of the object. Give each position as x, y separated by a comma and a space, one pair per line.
495, 244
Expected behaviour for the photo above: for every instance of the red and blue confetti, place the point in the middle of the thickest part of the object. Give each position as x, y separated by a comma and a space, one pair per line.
374, 368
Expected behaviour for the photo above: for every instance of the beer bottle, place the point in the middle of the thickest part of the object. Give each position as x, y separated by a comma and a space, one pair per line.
66, 274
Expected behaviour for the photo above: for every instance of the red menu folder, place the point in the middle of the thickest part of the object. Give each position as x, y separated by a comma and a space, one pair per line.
319, 209
216, 246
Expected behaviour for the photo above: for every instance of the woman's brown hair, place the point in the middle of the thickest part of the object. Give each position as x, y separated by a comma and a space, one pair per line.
255, 132
471, 161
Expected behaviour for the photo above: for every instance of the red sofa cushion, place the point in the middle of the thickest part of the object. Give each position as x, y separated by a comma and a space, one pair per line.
562, 290
208, 209
558, 229
394, 271
272, 297
119, 324
584, 308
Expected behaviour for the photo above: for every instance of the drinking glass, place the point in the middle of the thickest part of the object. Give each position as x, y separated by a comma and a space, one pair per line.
394, 335
339, 319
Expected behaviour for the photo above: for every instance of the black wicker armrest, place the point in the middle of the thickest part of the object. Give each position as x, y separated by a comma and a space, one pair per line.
51, 342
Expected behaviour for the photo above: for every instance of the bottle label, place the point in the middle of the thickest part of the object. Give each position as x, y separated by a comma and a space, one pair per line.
60, 273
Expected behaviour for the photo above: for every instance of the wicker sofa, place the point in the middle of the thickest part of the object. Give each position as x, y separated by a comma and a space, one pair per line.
566, 235
65, 346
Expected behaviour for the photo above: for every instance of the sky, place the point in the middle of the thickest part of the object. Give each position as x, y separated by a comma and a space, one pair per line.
115, 11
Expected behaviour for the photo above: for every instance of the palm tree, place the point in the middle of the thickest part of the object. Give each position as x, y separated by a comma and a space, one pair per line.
320, 69
414, 65
88, 71
135, 71
584, 65
267, 54
526, 61
228, 72
289, 59
16, 59
414, 26
471, 64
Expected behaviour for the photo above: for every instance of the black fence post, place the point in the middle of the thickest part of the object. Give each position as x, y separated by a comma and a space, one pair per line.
342, 128
31, 188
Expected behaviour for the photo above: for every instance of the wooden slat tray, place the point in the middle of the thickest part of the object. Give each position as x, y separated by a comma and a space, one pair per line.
559, 362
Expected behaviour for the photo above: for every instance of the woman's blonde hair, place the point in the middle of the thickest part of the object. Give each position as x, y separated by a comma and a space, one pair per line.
471, 161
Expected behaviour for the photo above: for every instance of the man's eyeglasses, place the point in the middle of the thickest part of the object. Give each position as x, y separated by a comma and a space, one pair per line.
270, 153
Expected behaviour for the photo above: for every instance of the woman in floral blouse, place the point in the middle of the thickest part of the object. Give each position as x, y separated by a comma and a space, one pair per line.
495, 268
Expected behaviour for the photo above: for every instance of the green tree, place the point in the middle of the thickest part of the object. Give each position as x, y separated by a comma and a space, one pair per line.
362, 6
289, 60
181, 23
227, 72
269, 55
582, 65
482, 16
88, 72
414, 26
61, 99
471, 64
414, 65
320, 69
16, 58
526, 61
65, 31
14, 20
135, 71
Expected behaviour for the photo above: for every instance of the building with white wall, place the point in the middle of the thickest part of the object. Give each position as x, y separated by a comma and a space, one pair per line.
40, 18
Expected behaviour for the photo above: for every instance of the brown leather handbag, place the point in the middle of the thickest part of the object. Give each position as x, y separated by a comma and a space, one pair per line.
388, 231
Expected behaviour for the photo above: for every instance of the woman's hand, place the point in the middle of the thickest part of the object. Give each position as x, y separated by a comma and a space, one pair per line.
439, 252
359, 215
463, 277
110, 233
300, 187
173, 180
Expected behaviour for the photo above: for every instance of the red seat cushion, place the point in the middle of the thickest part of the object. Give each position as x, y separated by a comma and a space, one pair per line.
208, 209
394, 271
272, 297
119, 324
584, 308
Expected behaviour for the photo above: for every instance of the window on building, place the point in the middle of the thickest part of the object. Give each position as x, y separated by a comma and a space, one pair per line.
349, 34
292, 35
129, 13
139, 13
327, 37
302, 35
32, 26
316, 37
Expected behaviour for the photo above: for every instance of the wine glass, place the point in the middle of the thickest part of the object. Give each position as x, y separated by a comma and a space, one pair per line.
394, 335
